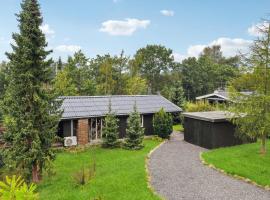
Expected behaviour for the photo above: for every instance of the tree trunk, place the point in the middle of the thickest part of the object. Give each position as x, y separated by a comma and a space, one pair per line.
36, 173
263, 145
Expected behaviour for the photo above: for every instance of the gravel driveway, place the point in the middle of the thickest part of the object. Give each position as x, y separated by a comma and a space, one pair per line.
177, 173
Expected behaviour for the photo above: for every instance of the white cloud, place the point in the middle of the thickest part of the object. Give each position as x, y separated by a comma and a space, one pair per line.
229, 47
178, 57
116, 1
254, 30
68, 48
46, 29
168, 13
123, 27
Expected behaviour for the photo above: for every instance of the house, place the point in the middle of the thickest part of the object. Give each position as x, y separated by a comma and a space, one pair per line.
83, 116
218, 96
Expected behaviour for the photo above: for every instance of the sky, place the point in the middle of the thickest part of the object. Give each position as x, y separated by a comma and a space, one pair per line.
110, 26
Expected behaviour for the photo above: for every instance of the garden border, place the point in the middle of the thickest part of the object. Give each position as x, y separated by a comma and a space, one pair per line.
235, 176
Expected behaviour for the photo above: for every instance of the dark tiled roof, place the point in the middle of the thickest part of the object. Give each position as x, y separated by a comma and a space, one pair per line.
91, 106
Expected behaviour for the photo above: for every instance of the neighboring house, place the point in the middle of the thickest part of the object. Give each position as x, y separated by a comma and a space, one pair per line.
218, 96
83, 116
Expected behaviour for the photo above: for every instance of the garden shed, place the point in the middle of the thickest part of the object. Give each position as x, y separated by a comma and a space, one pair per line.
209, 129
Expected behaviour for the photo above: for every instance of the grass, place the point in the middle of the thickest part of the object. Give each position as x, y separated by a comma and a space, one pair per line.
242, 160
120, 174
178, 127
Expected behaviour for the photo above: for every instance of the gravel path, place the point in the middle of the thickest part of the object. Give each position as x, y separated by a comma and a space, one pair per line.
177, 173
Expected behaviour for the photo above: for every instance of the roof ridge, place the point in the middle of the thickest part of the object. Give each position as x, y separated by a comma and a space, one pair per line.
106, 96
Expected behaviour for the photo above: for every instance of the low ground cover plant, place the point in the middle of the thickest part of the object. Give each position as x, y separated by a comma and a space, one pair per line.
15, 188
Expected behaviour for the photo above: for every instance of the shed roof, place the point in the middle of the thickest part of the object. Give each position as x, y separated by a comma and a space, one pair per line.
211, 116
94, 106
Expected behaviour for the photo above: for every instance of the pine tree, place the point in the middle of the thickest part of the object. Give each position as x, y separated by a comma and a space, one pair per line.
162, 124
178, 95
135, 131
59, 64
110, 130
31, 113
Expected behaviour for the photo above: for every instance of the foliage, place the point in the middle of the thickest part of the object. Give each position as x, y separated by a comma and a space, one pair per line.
245, 82
207, 73
199, 106
135, 131
242, 160
178, 127
14, 188
162, 123
136, 85
251, 113
85, 174
178, 97
63, 84
152, 61
117, 170
110, 130
30, 110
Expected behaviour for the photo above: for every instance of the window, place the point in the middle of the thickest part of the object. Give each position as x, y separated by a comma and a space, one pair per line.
142, 121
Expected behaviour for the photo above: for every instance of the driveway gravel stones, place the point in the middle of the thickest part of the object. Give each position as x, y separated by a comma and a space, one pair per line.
177, 173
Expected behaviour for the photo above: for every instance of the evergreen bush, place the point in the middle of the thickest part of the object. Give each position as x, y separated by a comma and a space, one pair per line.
163, 124
135, 131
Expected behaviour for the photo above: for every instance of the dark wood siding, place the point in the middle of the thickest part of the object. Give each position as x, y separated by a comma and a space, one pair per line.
122, 126
64, 128
148, 124
210, 134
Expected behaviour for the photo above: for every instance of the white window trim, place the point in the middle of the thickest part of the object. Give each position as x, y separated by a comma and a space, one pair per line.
71, 127
142, 121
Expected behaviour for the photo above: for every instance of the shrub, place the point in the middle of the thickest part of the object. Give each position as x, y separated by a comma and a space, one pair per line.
110, 130
163, 125
199, 106
85, 175
15, 188
135, 131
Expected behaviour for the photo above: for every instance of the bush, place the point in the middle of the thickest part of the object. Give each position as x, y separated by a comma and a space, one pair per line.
85, 175
199, 106
15, 188
163, 125
135, 131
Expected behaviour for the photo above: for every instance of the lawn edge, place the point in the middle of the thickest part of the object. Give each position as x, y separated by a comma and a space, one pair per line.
148, 176
235, 176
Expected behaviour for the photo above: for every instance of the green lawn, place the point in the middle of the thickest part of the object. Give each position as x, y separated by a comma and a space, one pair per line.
178, 127
243, 160
120, 174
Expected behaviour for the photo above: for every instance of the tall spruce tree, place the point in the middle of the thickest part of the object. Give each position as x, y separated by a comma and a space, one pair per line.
135, 131
59, 65
31, 113
111, 129
178, 95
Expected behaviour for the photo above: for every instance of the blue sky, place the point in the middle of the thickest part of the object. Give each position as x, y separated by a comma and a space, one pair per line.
108, 26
